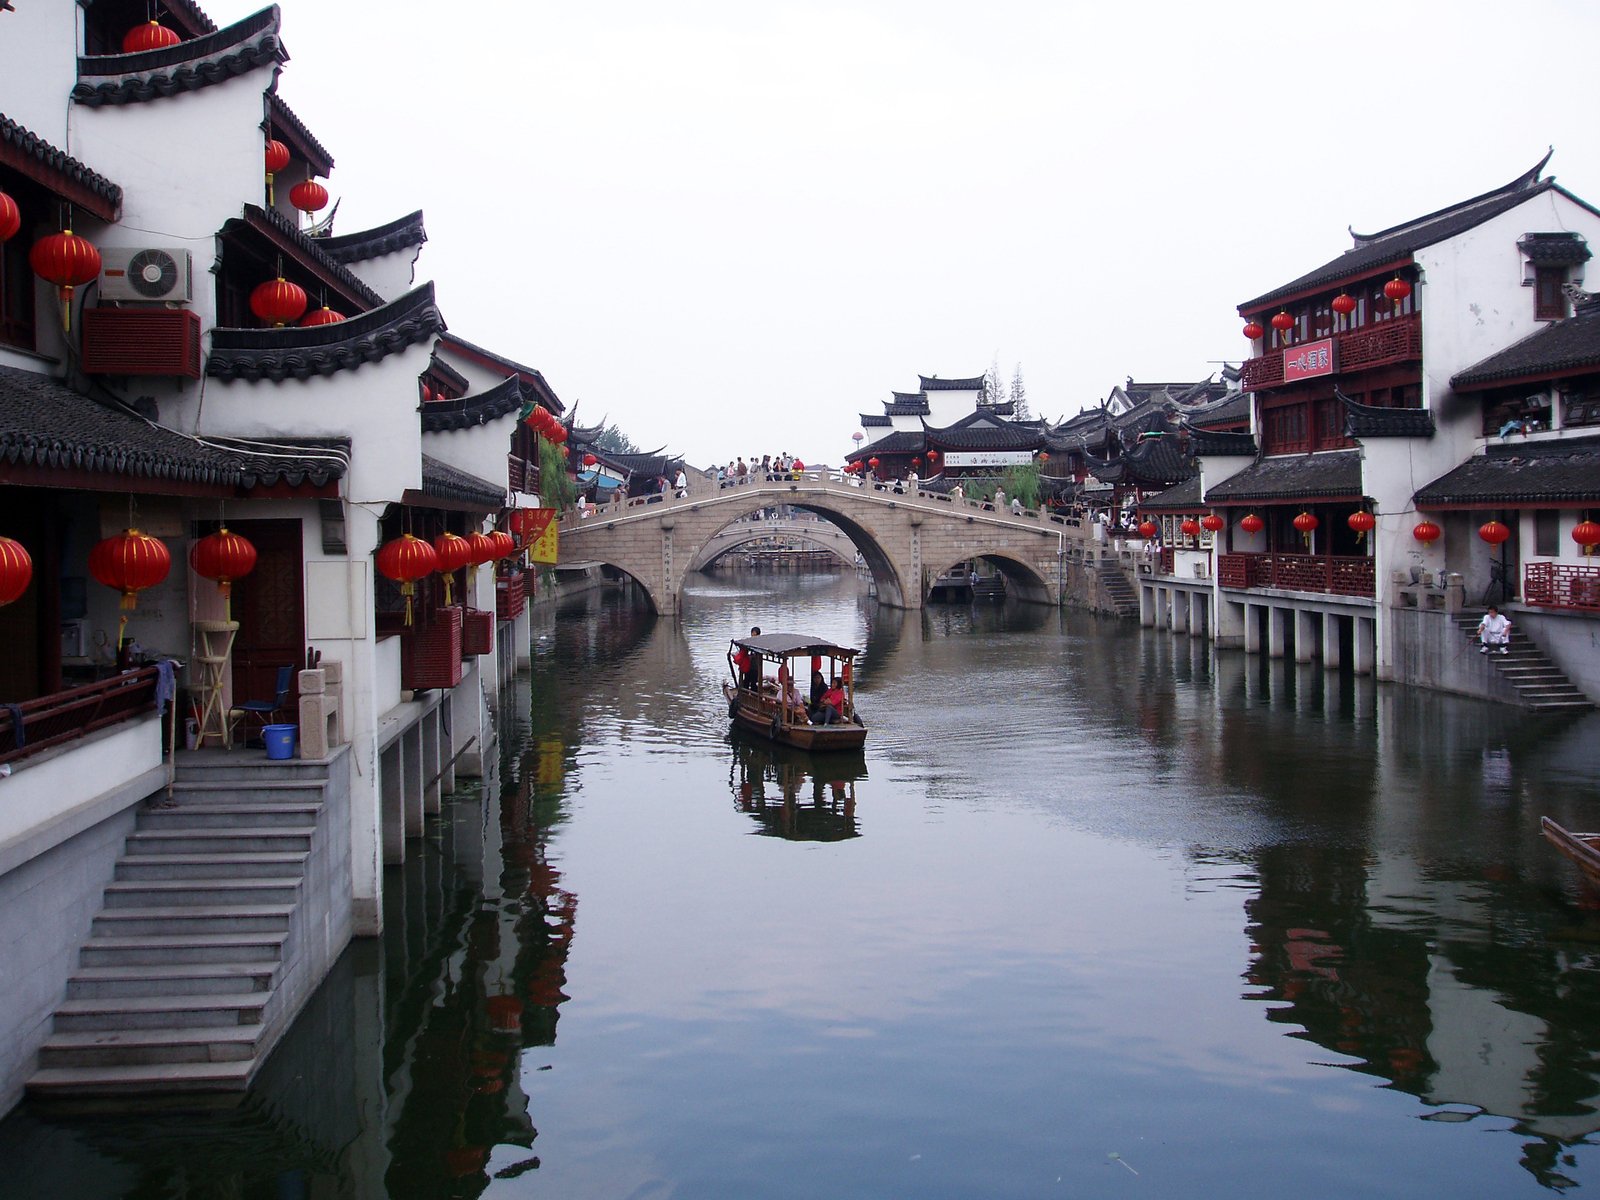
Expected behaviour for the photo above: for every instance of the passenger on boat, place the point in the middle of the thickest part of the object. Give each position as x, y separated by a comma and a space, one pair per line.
819, 686
789, 696
833, 705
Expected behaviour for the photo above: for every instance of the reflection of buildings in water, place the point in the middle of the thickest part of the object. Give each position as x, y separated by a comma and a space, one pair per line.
795, 795
1416, 978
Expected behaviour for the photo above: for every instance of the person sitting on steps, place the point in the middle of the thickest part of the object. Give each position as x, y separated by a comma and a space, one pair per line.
1494, 632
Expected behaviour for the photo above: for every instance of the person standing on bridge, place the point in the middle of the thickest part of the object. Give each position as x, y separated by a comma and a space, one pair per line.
999, 498
680, 483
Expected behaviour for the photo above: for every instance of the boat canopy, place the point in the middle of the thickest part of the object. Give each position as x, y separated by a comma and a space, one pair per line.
782, 645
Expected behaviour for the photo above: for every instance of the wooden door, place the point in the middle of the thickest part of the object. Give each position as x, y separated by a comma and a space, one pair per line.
269, 605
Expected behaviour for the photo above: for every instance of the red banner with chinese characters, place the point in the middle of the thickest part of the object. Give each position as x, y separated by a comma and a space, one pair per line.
1309, 360
542, 531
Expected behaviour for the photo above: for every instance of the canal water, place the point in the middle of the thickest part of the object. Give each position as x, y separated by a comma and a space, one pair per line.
1099, 912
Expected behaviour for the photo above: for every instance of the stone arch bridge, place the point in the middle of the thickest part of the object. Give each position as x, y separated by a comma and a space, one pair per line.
906, 539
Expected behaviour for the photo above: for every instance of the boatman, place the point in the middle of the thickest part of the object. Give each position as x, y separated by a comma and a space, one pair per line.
748, 664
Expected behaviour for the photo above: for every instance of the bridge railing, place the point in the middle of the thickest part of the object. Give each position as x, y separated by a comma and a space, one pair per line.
779, 486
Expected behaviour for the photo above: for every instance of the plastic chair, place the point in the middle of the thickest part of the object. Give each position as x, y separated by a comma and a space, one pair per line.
265, 711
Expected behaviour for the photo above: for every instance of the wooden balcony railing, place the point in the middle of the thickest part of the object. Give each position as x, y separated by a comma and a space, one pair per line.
1562, 585
1399, 340
1336, 576
46, 721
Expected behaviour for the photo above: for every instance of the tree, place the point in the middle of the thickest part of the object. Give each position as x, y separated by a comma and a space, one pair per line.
1019, 396
994, 389
556, 486
613, 439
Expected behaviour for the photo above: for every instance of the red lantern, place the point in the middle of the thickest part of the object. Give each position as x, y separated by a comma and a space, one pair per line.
1253, 330
16, 569
129, 563
1189, 527
1306, 522
504, 544
483, 548
152, 35
1344, 304
453, 553
1251, 523
1397, 289
222, 557
1427, 532
1283, 322
10, 217
1586, 534
932, 454
1213, 523
1362, 522
589, 460
277, 157
558, 433
523, 521
309, 196
873, 463
1147, 529
278, 301
405, 560
68, 261
1493, 532
321, 316
916, 460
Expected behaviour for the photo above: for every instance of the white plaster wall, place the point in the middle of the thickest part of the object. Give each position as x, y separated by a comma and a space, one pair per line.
479, 450
39, 42
946, 408
180, 204
480, 377
41, 792
390, 275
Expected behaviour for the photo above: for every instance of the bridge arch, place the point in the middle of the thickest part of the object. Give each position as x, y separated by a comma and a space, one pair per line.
739, 534
904, 540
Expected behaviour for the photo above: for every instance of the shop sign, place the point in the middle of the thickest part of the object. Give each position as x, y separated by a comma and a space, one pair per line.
1309, 360
988, 458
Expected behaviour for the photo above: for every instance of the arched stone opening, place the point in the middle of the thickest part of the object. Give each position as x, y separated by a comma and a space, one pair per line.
1023, 580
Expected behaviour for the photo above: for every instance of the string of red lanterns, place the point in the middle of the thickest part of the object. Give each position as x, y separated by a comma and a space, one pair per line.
453, 553
405, 560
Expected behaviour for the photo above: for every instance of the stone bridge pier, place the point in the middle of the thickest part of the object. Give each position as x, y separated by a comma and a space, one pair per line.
906, 539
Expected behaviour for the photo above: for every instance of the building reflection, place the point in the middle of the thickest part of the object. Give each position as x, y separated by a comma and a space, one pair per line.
793, 794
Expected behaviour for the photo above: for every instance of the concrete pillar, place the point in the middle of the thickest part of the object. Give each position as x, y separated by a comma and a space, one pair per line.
430, 761
1305, 634
391, 786
1203, 623
1365, 645
1147, 606
1180, 610
1228, 623
1252, 627
1277, 631
411, 775
1330, 640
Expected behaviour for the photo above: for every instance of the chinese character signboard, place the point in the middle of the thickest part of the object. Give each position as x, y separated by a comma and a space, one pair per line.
1309, 360
988, 458
542, 536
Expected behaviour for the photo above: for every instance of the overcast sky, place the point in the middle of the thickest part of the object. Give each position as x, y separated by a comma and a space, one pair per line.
732, 227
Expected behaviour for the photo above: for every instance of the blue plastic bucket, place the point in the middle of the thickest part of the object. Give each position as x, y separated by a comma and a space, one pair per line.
279, 740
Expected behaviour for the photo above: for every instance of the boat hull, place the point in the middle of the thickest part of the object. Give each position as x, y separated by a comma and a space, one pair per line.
759, 713
1581, 848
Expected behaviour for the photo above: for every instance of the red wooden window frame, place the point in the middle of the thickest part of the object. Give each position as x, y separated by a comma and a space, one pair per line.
1549, 301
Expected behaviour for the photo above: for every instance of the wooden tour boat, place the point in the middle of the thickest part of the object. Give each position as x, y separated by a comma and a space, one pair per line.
761, 665
1581, 848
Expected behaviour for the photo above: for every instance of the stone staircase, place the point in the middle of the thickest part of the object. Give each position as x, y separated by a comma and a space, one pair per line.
1541, 685
180, 987
1124, 597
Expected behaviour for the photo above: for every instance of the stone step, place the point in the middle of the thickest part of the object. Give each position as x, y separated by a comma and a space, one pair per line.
243, 839
211, 866
192, 918
191, 979
1580, 705
212, 814
99, 1013
203, 893
245, 766
142, 1078
154, 948
132, 1047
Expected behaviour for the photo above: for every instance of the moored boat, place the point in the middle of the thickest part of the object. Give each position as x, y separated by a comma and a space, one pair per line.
1581, 848
765, 697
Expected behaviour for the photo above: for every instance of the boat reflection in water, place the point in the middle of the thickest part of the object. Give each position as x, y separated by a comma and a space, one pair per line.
795, 794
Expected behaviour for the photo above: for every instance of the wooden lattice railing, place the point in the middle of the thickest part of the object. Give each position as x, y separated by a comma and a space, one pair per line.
46, 721
1337, 576
1562, 585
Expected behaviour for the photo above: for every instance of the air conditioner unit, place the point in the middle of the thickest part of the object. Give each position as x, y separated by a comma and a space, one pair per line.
149, 273
1201, 570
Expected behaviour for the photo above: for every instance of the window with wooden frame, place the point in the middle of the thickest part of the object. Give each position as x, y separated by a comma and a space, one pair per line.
1329, 425
16, 295
1549, 301
1284, 430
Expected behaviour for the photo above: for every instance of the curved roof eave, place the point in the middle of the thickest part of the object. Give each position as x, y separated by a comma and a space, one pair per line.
187, 66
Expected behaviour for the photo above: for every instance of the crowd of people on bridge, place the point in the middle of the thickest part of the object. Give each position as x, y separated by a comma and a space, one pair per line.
771, 467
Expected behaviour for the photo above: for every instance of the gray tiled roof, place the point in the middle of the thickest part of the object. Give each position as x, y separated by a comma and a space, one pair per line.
287, 123
901, 441
444, 482
1529, 473
1294, 477
27, 149
1185, 496
1399, 242
932, 383
185, 67
1563, 348
402, 233
1565, 249
469, 411
1367, 421
299, 353
1204, 443
44, 423
875, 421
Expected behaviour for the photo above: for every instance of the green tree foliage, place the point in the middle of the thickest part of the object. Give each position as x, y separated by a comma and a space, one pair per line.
614, 440
1023, 483
556, 486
